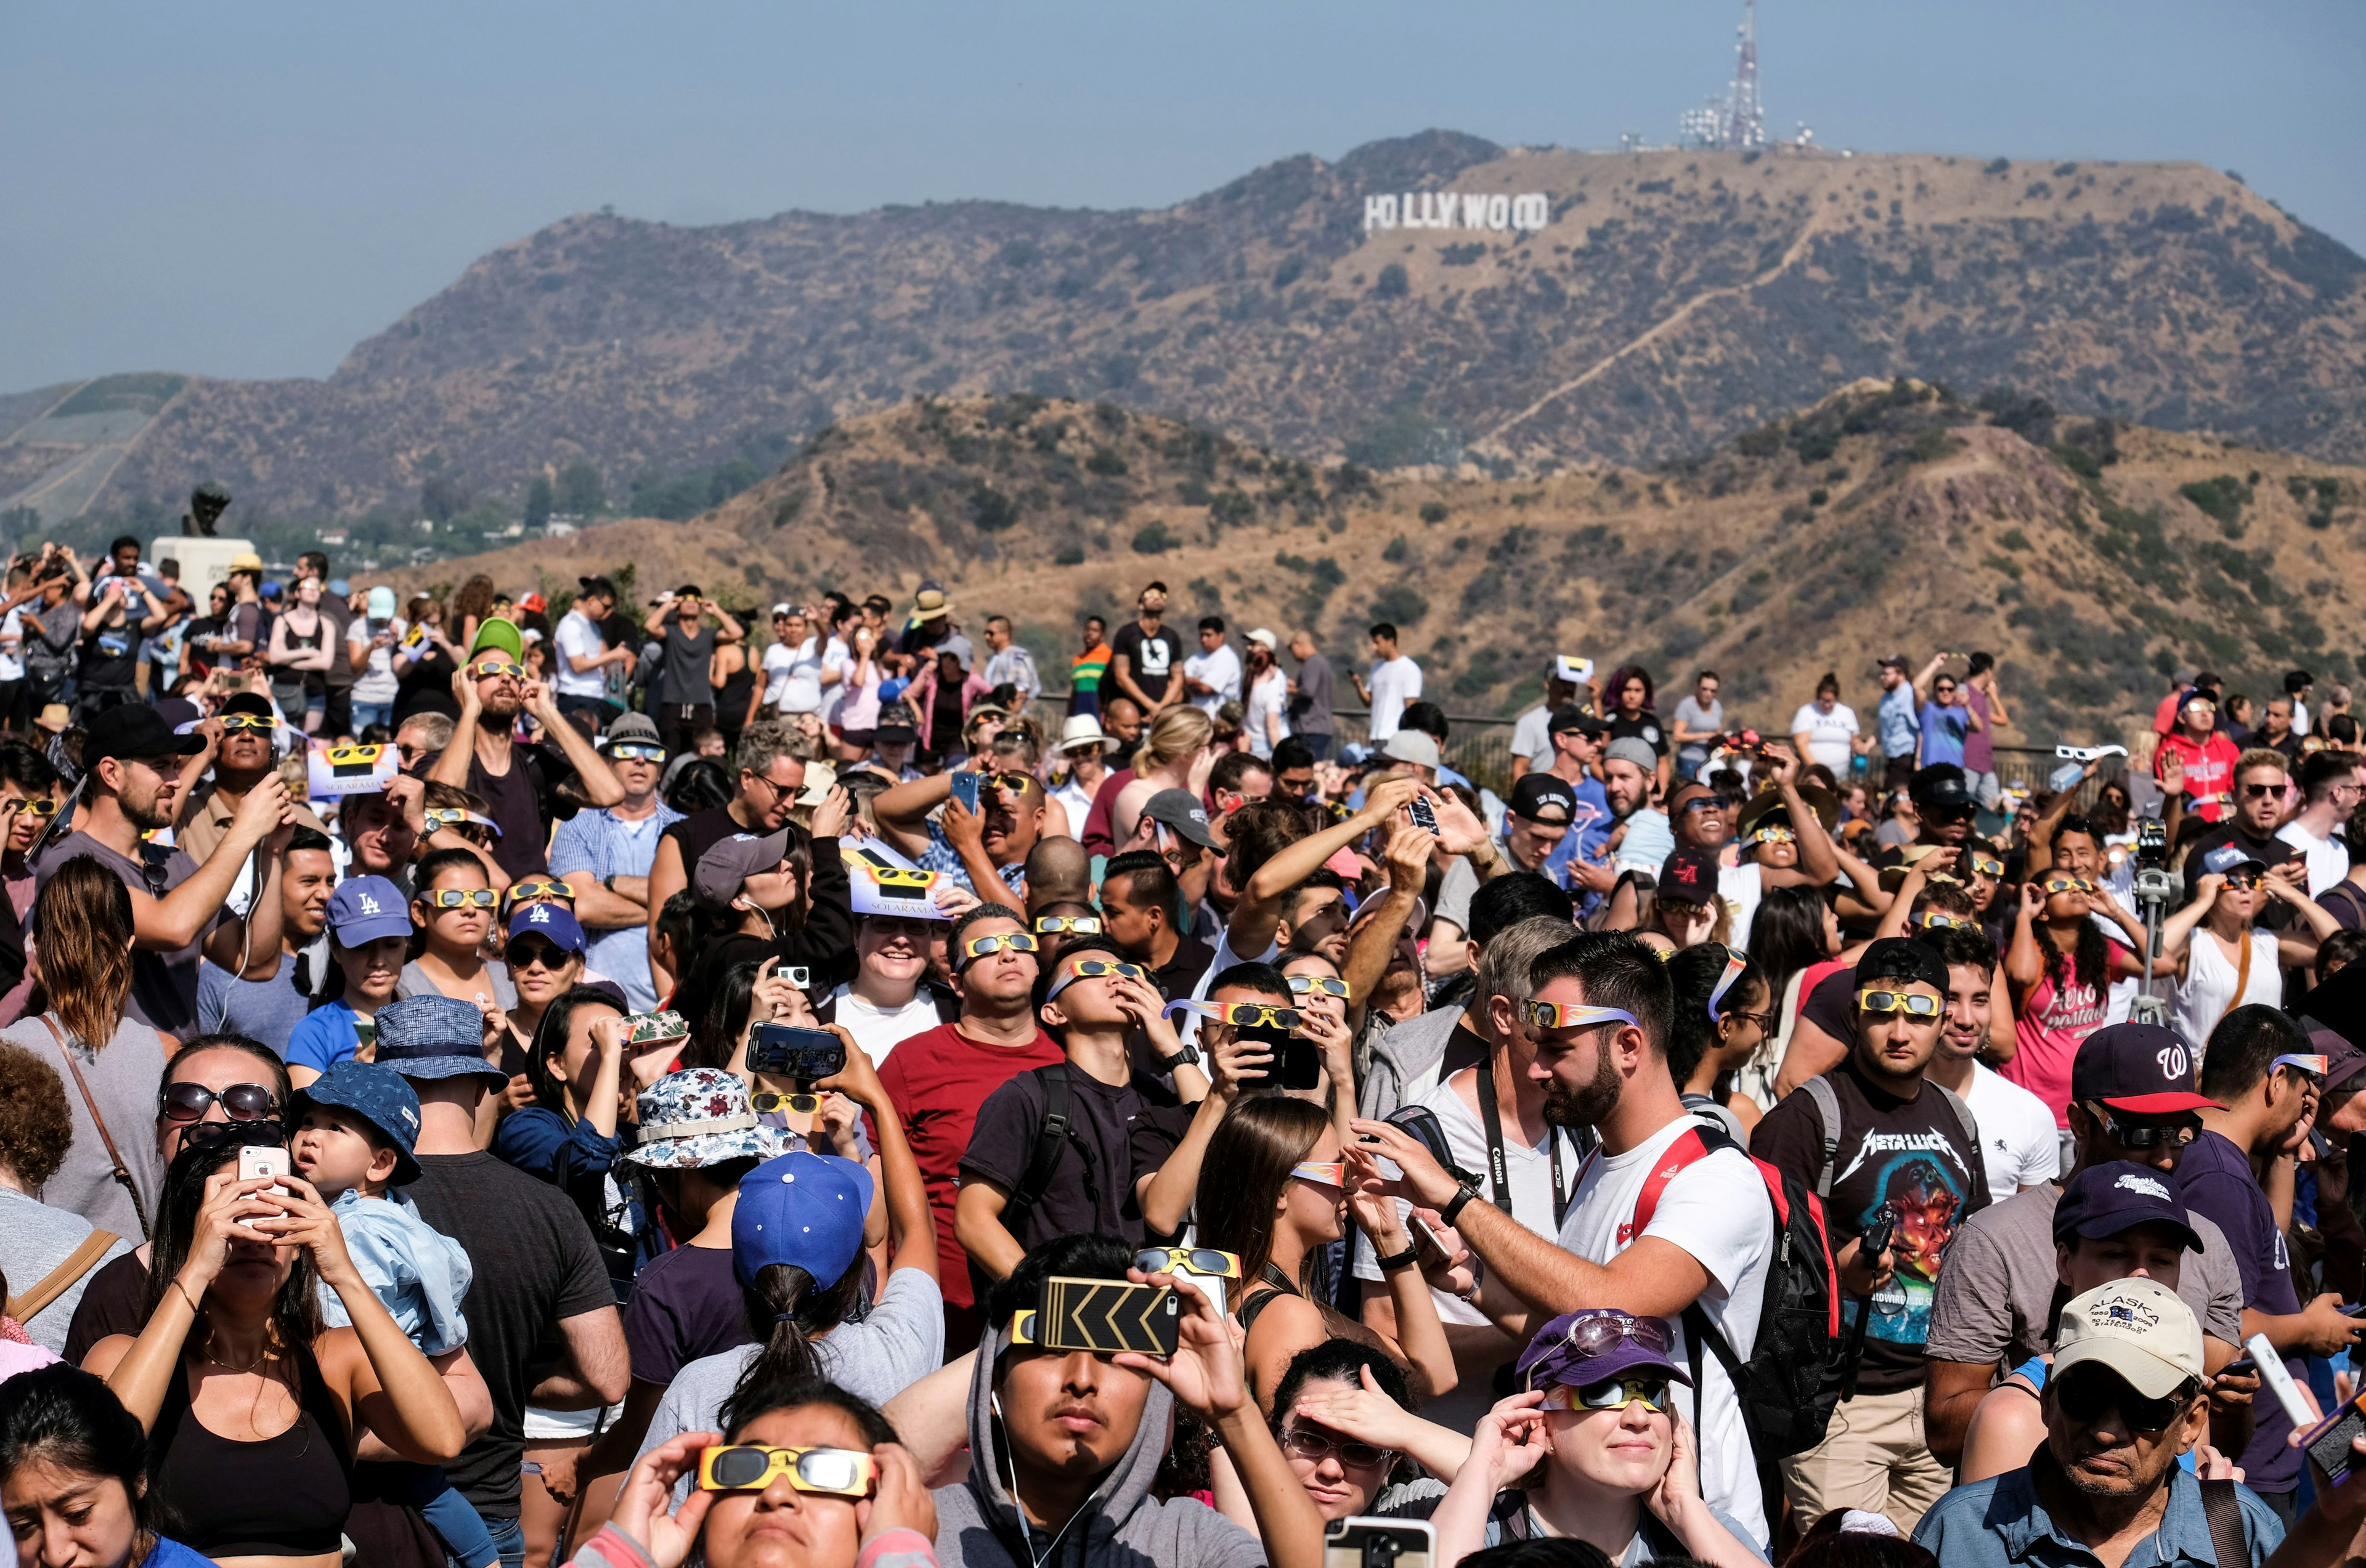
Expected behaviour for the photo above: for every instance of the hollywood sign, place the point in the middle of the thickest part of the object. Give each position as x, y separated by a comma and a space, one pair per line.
1454, 209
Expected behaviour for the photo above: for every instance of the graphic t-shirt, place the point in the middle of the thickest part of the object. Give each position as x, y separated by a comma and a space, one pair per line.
1906, 1159
2209, 772
1717, 1210
1829, 735
2046, 1032
2217, 1180
1149, 661
1643, 727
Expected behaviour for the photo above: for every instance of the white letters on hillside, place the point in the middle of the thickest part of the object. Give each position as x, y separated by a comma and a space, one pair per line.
1453, 209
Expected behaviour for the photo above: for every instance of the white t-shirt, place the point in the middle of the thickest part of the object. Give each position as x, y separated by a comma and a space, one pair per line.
801, 692
1394, 683
1738, 888
778, 658
1716, 1209
2019, 1144
879, 1030
12, 646
1531, 740
836, 658
2328, 859
1220, 670
578, 638
1529, 1171
1829, 734
1269, 698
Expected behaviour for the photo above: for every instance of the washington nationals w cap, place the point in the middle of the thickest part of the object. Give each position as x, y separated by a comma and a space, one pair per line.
2142, 1068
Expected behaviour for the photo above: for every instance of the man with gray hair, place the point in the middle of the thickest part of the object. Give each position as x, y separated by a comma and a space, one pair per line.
1493, 1113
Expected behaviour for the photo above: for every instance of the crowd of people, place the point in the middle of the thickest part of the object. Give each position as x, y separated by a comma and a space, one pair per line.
496, 1081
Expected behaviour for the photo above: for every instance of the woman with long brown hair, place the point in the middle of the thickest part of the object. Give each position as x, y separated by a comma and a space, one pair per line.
110, 1064
471, 608
1274, 1190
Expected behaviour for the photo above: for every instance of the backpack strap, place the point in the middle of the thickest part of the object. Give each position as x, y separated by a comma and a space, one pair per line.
1691, 1146
1828, 1112
1049, 1138
1967, 1125
2230, 1535
63, 1278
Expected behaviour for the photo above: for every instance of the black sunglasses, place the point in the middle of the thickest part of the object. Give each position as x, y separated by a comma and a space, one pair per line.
239, 1101
244, 1135
2138, 1136
2087, 1394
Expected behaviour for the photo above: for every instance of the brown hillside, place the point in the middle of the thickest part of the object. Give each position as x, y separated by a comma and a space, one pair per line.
1887, 516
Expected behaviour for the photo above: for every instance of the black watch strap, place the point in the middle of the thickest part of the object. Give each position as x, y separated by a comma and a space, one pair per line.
1186, 1057
1454, 1209
1397, 1260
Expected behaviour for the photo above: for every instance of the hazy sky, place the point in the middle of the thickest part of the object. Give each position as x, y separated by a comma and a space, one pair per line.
248, 189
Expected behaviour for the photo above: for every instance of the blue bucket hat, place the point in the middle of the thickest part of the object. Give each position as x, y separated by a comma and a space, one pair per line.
699, 1117
434, 1037
378, 1095
803, 1209
366, 908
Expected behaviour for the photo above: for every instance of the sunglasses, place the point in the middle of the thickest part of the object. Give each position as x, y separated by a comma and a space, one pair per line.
1070, 925
266, 1133
43, 807
1914, 1004
533, 888
2245, 881
1561, 1015
1326, 1172
750, 1467
535, 953
2087, 1397
249, 721
1016, 942
1319, 986
2138, 1136
459, 898
1773, 836
1190, 1260
239, 1101
1931, 919
636, 751
1596, 1333
2067, 885
501, 669
1704, 803
1240, 1015
1611, 1393
1983, 867
803, 1104
1942, 691
2261, 792
1310, 1444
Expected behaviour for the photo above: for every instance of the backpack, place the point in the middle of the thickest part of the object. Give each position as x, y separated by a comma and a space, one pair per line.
1058, 1130
1782, 1383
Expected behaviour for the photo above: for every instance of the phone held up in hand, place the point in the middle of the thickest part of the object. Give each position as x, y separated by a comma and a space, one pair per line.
803, 1056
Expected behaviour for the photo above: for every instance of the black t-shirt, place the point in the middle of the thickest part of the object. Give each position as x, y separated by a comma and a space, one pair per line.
110, 1304
1644, 727
535, 1264
1179, 974
1907, 1154
426, 686
1831, 1006
525, 803
110, 656
945, 716
699, 832
1150, 660
686, 1305
1091, 1190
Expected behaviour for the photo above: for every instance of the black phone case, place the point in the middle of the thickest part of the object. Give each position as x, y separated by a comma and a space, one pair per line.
2331, 1450
1421, 1123
1300, 1062
1108, 1315
783, 1051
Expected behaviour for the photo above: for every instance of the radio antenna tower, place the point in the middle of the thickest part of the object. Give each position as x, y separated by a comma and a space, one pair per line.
1745, 120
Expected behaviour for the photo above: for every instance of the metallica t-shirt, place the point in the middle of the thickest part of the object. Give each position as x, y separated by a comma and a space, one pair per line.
1909, 1157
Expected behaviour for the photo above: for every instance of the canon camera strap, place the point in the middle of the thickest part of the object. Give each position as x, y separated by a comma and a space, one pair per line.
1499, 1176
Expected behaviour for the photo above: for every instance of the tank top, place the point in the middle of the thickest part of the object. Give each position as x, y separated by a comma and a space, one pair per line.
731, 697
2208, 991
285, 1496
312, 680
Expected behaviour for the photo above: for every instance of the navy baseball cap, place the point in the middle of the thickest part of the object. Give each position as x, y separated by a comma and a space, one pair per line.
378, 1095
434, 1037
555, 922
366, 908
2143, 1069
2119, 1195
805, 1209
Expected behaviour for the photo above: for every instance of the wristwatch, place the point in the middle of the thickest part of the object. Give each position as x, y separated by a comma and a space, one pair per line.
609, 882
1186, 1057
1456, 1205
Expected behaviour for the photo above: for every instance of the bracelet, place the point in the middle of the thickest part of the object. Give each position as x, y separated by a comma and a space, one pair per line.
194, 1310
1397, 1260
1460, 1199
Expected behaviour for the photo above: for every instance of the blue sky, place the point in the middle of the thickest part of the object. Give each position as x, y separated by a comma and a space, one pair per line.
248, 189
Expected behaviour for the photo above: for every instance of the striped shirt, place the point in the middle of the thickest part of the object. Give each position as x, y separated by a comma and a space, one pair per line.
606, 845
1090, 666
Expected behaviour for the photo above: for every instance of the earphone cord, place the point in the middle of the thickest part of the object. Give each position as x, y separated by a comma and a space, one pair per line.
1026, 1530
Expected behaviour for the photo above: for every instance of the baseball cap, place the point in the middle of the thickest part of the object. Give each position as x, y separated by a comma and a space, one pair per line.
495, 632
1537, 793
800, 1209
1180, 810
1893, 661
731, 861
895, 733
434, 1037
254, 703
2229, 858
270, 590
1263, 637
1940, 785
1412, 746
1633, 749
132, 730
2119, 1195
2143, 1069
555, 922
378, 1095
2138, 1328
1689, 875
381, 603
1593, 1344
367, 908
1902, 960
1575, 715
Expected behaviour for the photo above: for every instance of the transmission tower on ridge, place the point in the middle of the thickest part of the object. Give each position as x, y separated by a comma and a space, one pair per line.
1736, 121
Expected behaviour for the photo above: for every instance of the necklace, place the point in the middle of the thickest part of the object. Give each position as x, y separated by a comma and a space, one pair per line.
230, 1367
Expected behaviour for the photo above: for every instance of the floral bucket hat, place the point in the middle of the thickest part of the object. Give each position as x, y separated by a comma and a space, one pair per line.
698, 1117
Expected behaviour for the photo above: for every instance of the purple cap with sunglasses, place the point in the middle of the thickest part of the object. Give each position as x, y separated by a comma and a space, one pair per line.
1587, 1347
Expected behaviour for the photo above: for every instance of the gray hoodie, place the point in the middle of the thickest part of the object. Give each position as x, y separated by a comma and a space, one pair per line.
1123, 1526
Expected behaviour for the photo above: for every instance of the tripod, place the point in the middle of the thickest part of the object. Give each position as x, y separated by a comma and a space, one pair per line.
2156, 888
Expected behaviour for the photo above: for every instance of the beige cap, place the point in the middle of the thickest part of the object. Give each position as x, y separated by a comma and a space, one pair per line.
2138, 1328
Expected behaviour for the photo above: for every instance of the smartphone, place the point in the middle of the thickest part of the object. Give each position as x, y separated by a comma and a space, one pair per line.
646, 1028
234, 683
804, 1056
263, 1159
2240, 1367
965, 790
1365, 1542
1424, 819
1425, 1236
365, 1038
2328, 1441
1299, 1063
1108, 1315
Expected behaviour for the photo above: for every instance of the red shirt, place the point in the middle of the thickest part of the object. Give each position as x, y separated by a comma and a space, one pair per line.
2209, 772
938, 1079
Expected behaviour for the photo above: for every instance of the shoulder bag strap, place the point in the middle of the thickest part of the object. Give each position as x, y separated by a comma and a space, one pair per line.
61, 1280
122, 1171
2243, 970
2228, 1535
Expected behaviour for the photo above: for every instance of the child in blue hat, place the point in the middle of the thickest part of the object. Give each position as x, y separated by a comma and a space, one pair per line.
352, 1137
369, 936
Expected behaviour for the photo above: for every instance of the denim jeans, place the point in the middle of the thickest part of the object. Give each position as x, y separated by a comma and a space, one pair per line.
509, 1539
368, 714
